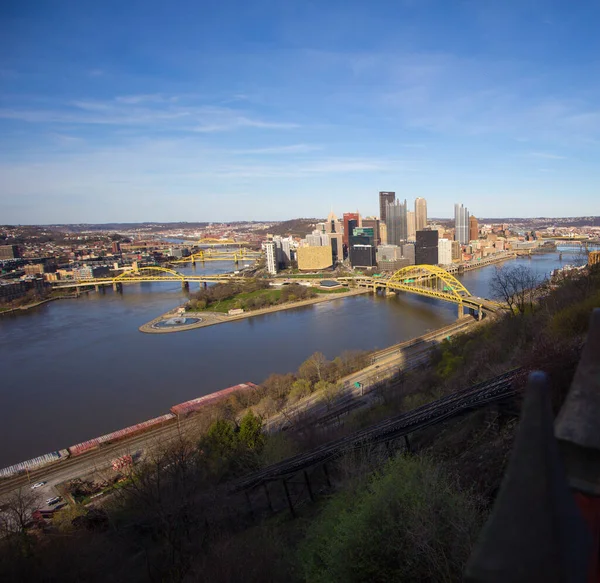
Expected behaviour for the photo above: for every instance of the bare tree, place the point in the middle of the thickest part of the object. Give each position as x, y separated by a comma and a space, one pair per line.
515, 285
18, 509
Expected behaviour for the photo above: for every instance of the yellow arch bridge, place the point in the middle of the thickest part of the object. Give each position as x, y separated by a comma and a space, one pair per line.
214, 255
433, 282
146, 274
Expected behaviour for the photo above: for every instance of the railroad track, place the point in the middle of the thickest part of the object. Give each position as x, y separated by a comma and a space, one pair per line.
101, 455
482, 394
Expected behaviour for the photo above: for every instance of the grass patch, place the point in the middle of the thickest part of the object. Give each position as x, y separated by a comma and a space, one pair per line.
272, 295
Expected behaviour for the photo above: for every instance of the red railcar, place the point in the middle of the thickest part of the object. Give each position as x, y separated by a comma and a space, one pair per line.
195, 404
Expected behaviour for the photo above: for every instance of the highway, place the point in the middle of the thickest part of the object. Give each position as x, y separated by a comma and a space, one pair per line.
384, 364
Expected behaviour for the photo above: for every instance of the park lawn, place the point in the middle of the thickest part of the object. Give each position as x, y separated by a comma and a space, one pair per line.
226, 305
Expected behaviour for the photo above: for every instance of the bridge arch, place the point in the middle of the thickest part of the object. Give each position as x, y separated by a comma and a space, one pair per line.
428, 280
140, 272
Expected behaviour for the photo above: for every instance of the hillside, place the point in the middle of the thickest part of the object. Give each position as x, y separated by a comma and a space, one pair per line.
294, 227
364, 515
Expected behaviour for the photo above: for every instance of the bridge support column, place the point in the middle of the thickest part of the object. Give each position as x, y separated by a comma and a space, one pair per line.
185, 286
97, 288
205, 284
118, 287
480, 314
461, 311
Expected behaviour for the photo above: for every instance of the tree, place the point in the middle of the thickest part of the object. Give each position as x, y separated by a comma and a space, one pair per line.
313, 367
221, 439
250, 433
19, 506
329, 390
300, 388
515, 285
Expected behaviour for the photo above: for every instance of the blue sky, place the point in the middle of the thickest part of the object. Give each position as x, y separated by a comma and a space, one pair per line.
233, 110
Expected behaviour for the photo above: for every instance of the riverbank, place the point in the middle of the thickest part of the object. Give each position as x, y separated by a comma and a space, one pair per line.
213, 318
37, 304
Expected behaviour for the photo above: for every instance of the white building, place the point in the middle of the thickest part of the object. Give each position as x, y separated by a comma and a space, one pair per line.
444, 252
271, 253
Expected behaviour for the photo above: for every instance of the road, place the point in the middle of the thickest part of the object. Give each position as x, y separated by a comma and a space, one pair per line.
385, 364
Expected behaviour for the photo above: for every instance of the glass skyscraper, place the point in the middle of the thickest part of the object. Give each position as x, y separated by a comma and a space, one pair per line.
396, 223
461, 224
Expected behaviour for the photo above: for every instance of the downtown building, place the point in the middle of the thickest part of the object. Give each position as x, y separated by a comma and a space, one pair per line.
426, 248
385, 198
420, 214
461, 224
397, 223
473, 229
362, 249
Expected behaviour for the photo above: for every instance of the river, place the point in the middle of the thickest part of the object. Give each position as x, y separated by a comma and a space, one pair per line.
75, 369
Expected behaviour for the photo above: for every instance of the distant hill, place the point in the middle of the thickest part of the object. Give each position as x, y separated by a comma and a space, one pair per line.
295, 227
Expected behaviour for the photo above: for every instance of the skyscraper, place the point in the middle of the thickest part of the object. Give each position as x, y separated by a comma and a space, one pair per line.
426, 248
350, 217
396, 221
420, 213
411, 228
461, 224
374, 224
473, 229
385, 198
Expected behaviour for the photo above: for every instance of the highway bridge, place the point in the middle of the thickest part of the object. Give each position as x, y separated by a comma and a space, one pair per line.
425, 280
147, 274
433, 282
214, 255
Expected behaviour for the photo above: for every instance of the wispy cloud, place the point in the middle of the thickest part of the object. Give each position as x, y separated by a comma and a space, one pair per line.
546, 156
291, 149
154, 110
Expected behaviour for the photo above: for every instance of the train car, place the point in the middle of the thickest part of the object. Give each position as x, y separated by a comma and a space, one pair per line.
95, 443
34, 463
195, 404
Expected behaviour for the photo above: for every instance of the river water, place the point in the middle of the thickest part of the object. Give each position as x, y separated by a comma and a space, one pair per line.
75, 369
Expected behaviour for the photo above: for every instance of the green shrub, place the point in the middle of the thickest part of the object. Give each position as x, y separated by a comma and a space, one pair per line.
409, 524
573, 320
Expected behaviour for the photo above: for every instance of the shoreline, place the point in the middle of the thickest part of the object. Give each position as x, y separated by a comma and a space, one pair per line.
213, 318
37, 304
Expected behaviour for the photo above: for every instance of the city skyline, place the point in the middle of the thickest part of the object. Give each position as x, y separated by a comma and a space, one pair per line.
169, 114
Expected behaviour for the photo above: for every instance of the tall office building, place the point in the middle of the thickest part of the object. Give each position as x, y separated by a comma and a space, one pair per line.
426, 248
411, 228
374, 224
396, 222
350, 217
383, 232
461, 224
385, 198
271, 253
420, 213
473, 229
444, 252
362, 249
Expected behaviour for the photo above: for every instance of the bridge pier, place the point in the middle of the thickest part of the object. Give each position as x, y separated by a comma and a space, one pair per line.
185, 286
97, 288
205, 284
118, 287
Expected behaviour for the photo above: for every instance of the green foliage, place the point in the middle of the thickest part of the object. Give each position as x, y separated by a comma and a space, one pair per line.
300, 388
220, 440
573, 319
409, 524
250, 433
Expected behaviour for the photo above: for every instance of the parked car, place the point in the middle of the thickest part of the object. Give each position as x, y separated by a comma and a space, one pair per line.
38, 485
53, 501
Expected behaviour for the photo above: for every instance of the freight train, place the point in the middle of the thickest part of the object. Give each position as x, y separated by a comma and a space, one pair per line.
180, 410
